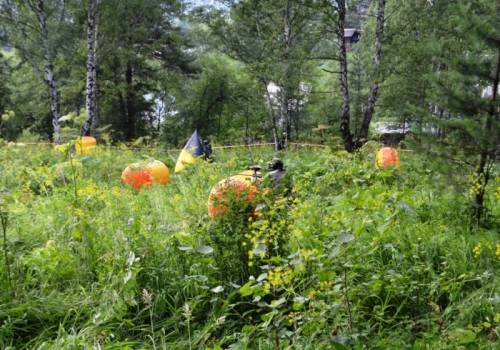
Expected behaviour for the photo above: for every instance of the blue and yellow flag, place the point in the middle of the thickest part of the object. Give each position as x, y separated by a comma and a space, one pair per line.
193, 148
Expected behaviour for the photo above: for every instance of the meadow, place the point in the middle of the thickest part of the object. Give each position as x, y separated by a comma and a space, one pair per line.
358, 258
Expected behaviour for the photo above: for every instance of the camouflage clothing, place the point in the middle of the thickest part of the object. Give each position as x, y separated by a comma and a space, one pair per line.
280, 182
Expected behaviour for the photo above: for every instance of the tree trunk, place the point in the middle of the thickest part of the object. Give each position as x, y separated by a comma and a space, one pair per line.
49, 69
91, 102
272, 117
95, 121
284, 121
374, 90
358, 108
285, 86
488, 151
130, 103
345, 117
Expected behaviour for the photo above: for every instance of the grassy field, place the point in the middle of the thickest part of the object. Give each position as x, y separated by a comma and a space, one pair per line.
358, 258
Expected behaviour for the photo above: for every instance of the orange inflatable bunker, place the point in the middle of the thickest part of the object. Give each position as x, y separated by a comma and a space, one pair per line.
387, 157
85, 145
141, 174
137, 175
158, 171
227, 189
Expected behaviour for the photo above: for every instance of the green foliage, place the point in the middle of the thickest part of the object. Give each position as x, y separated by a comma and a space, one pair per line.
275, 41
224, 101
356, 256
4, 92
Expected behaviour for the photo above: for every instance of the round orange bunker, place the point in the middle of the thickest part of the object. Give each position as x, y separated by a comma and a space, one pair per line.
220, 195
136, 175
387, 157
85, 145
158, 171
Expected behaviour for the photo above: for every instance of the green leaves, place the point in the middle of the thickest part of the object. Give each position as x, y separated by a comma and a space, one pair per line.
247, 290
217, 290
345, 238
462, 336
204, 249
392, 249
277, 303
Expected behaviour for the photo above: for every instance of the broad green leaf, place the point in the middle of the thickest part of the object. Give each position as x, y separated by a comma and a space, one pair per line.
345, 238
218, 289
462, 336
185, 248
204, 249
278, 303
246, 289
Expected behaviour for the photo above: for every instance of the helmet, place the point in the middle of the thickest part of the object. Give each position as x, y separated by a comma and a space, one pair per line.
275, 164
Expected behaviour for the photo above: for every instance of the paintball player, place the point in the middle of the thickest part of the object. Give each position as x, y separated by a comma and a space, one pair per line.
207, 150
278, 180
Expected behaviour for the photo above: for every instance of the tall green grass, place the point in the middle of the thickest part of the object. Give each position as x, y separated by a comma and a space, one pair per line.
366, 257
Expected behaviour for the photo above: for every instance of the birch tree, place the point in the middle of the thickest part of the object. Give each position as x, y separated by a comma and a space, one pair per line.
39, 9
375, 86
91, 84
27, 20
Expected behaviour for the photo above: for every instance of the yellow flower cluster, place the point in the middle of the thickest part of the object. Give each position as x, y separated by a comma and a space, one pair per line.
116, 191
477, 250
476, 183
312, 294
308, 254
264, 237
76, 212
497, 252
177, 198
92, 191
291, 317
277, 277
257, 247
324, 285
88, 190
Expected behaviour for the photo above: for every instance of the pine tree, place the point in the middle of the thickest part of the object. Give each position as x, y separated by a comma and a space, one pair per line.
467, 86
139, 40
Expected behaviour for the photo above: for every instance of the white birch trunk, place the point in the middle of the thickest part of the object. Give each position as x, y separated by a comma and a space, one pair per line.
49, 68
91, 102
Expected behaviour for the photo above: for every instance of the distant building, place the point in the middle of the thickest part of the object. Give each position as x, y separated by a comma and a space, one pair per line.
391, 133
352, 36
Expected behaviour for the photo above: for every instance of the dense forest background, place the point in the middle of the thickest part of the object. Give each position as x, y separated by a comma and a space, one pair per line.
256, 71
245, 71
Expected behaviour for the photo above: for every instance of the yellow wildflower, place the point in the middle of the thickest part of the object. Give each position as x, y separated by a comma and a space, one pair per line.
325, 285
477, 250
311, 295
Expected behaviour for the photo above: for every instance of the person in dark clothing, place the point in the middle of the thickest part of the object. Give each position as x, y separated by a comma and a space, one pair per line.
207, 149
278, 179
